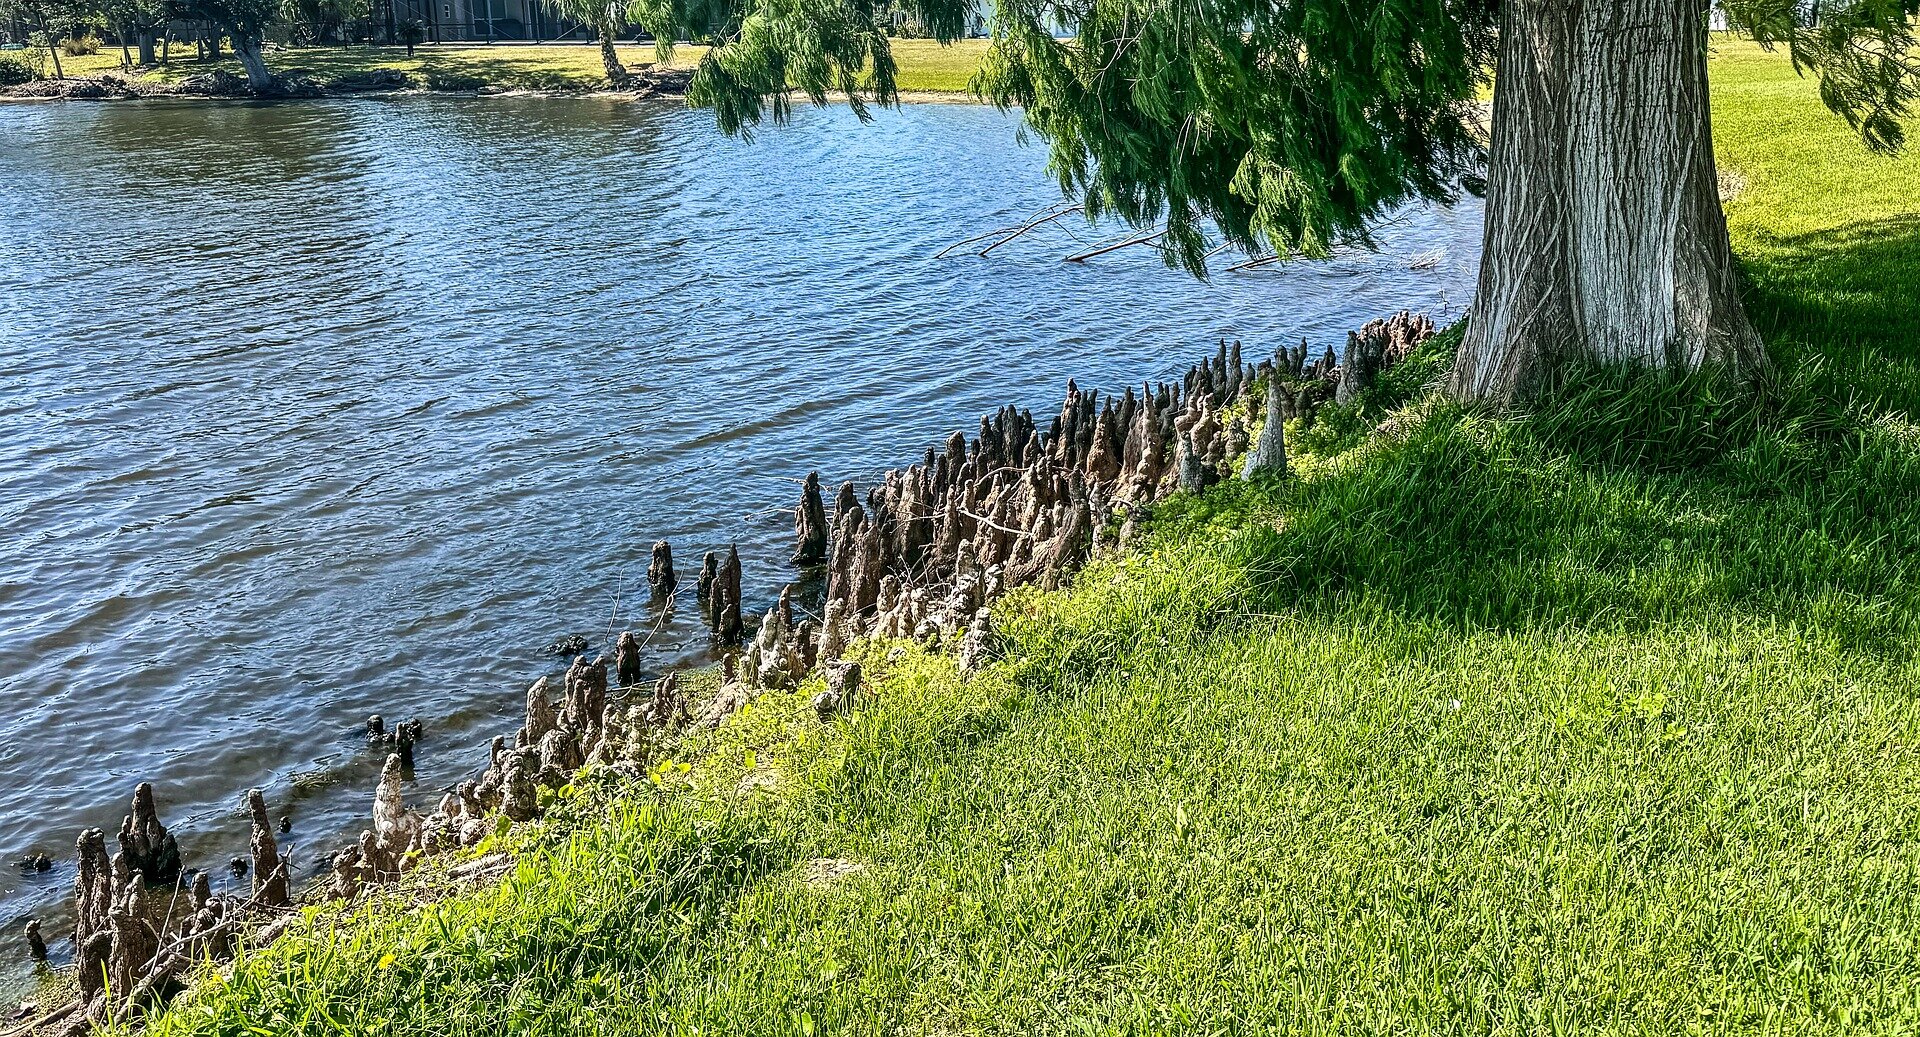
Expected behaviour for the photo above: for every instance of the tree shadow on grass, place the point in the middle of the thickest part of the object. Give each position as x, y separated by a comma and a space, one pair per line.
1473, 524
1638, 500
1851, 295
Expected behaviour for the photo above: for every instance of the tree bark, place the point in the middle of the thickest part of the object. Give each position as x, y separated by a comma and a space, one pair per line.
617, 75
247, 46
1605, 241
143, 39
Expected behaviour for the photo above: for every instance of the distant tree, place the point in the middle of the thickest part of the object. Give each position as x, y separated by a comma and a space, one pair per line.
761, 50
245, 22
413, 33
604, 16
49, 22
140, 19
318, 20
1291, 125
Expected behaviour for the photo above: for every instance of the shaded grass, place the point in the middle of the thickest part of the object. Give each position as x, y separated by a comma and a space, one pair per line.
1827, 233
924, 65
1599, 719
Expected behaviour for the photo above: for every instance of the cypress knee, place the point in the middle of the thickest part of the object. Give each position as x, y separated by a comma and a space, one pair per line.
810, 524
1269, 453
726, 613
626, 659
660, 576
269, 873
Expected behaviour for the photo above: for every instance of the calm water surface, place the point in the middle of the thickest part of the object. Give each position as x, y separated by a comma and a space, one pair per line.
314, 411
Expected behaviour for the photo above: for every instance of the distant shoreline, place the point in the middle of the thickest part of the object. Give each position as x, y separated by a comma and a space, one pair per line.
9, 96
927, 73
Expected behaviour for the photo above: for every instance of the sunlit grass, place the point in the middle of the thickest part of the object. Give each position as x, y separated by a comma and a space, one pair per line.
925, 66
1599, 719
1827, 232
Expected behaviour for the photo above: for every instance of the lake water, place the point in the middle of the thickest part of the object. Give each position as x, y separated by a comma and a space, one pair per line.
314, 411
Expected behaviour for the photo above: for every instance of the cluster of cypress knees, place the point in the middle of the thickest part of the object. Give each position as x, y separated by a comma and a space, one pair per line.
923, 558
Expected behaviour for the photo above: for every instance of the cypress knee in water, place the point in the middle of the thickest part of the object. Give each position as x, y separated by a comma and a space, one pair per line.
626, 659
269, 873
810, 524
36, 947
149, 847
395, 831
709, 572
660, 576
1269, 453
93, 888
405, 736
727, 624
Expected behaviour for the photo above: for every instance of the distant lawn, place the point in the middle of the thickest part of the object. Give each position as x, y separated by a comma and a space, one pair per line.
1827, 233
1602, 719
924, 65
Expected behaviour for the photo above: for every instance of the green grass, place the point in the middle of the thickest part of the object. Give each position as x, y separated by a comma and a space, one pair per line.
1599, 719
1828, 234
925, 67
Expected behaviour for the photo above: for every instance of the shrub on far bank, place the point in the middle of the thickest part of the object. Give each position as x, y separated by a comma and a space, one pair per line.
80, 46
16, 70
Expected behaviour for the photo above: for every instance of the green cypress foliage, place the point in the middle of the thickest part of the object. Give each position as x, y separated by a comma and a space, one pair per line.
1289, 124
1283, 126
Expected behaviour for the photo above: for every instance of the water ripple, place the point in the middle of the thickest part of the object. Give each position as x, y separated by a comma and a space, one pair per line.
330, 409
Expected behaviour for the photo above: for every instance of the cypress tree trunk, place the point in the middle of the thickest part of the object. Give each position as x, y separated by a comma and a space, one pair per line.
617, 75
1605, 240
247, 46
144, 40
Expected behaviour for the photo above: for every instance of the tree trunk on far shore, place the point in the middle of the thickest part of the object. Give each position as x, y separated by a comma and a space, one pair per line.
247, 46
1605, 241
617, 75
144, 41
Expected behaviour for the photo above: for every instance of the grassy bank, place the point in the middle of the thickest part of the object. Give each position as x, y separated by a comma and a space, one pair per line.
925, 67
1604, 718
